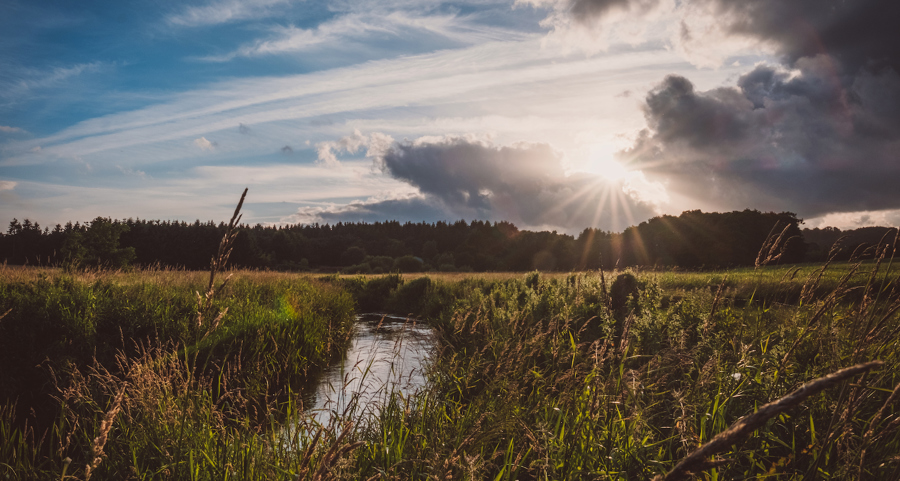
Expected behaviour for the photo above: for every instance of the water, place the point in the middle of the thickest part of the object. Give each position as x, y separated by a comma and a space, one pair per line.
387, 353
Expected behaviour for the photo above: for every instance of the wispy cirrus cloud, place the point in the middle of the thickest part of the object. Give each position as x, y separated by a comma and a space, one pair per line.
349, 29
12, 130
498, 77
21, 81
226, 11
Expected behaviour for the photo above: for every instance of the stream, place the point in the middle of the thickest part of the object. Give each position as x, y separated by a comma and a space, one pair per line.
387, 353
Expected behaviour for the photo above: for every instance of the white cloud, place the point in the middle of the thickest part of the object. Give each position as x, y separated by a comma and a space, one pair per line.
134, 172
704, 38
375, 144
225, 11
621, 23
512, 80
854, 220
207, 192
7, 185
11, 130
507, 91
348, 30
19, 82
696, 30
204, 144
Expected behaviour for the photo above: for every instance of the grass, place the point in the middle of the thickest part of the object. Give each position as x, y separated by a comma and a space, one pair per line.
71, 343
618, 375
543, 378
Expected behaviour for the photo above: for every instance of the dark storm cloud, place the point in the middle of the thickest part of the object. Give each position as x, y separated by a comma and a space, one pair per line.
799, 141
525, 184
817, 134
857, 33
460, 178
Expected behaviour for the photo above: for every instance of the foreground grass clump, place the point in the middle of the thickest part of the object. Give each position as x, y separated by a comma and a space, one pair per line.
582, 377
78, 347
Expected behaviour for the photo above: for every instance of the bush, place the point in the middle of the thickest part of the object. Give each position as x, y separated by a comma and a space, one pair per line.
409, 264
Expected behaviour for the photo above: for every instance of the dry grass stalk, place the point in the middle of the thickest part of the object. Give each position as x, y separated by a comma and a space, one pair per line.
217, 264
105, 427
715, 305
607, 300
626, 330
698, 461
769, 252
872, 425
774, 247
809, 288
307, 455
872, 295
334, 454
826, 305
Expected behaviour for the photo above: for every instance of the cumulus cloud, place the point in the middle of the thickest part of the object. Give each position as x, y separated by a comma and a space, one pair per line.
856, 33
469, 178
854, 220
592, 25
782, 139
376, 144
204, 144
817, 133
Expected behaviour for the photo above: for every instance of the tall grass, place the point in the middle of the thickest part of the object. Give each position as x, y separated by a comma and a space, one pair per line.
549, 379
622, 375
193, 398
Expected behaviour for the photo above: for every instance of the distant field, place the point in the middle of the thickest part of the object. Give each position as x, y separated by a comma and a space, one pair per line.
675, 278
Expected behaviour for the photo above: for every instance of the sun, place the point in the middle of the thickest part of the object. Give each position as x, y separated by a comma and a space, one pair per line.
602, 161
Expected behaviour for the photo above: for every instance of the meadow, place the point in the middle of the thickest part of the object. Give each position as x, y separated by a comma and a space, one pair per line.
587, 375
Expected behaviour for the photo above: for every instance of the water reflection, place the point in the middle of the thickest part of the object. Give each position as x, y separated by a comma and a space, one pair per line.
387, 353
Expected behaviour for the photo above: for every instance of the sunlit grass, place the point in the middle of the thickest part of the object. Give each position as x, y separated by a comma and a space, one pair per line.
537, 376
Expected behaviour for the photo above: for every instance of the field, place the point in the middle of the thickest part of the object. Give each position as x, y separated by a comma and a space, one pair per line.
592, 375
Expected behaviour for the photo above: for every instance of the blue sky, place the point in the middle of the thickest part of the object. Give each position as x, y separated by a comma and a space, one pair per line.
553, 114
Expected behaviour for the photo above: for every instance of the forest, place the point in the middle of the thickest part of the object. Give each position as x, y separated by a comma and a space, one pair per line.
692, 240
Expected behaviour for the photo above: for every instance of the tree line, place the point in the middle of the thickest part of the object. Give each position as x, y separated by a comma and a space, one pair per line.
693, 240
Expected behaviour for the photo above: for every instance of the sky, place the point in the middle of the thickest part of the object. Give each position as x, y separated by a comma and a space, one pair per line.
551, 114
